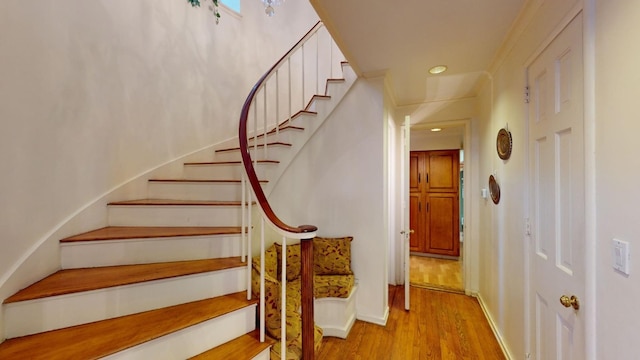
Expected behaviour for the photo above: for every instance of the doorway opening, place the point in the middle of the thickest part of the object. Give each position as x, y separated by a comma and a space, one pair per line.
437, 209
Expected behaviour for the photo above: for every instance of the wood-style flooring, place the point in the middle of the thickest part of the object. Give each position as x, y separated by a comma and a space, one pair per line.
435, 273
440, 325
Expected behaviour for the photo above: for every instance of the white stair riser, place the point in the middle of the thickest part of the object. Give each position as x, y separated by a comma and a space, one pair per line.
210, 171
193, 340
273, 153
33, 316
283, 136
316, 104
146, 251
264, 355
174, 215
228, 191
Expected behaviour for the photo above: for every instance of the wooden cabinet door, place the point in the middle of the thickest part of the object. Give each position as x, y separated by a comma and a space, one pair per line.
443, 224
443, 169
416, 168
416, 240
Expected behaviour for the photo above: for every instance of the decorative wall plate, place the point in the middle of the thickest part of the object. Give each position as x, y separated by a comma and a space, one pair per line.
504, 144
494, 189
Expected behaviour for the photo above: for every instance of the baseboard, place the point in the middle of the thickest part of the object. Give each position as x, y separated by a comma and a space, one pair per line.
341, 332
494, 328
374, 319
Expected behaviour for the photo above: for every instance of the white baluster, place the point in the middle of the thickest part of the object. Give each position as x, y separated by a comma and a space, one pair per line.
264, 93
289, 90
262, 301
277, 106
317, 63
302, 65
283, 302
243, 239
249, 231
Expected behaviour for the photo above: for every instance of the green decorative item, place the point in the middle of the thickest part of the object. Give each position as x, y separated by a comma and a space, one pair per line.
213, 8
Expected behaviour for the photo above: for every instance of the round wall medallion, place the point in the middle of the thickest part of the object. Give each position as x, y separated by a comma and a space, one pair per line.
504, 144
494, 189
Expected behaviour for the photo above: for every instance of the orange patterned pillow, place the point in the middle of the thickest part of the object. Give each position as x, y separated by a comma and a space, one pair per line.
332, 256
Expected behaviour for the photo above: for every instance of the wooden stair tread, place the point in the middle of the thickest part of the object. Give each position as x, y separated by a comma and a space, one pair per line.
145, 232
245, 347
231, 162
275, 143
143, 202
203, 181
86, 279
282, 128
102, 338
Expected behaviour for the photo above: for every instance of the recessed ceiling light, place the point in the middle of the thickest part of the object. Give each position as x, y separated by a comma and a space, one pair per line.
436, 129
438, 69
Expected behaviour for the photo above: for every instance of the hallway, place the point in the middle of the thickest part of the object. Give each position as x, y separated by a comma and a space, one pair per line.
441, 325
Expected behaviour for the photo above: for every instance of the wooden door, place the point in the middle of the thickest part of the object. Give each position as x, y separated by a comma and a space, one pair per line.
556, 145
415, 209
443, 224
434, 194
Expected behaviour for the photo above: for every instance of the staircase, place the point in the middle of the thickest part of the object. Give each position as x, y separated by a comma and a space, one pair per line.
165, 279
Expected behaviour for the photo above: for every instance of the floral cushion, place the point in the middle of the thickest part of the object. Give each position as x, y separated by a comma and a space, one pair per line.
332, 256
294, 261
338, 286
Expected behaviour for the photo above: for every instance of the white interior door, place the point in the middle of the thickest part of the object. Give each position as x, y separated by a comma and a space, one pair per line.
557, 178
406, 230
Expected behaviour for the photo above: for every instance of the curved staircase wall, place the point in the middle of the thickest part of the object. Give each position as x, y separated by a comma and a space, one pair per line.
341, 172
99, 98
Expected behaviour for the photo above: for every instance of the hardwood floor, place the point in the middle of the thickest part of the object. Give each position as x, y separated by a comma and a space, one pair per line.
440, 325
436, 273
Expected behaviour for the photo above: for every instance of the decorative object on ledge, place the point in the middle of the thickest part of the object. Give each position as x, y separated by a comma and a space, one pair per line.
269, 4
504, 144
213, 8
494, 189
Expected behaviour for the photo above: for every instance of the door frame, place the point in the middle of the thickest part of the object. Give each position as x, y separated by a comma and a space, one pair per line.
588, 306
470, 254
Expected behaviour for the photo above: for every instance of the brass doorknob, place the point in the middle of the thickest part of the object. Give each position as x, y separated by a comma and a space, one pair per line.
411, 231
570, 301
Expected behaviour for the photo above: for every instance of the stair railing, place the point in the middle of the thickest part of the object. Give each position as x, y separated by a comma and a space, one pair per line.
301, 74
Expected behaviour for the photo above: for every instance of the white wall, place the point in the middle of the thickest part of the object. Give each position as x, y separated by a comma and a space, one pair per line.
423, 141
337, 182
617, 169
95, 93
502, 243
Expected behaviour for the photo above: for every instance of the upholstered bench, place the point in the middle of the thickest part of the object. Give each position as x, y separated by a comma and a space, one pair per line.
334, 286
334, 291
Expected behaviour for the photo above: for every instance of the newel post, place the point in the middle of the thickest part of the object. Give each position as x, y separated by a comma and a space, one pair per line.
306, 252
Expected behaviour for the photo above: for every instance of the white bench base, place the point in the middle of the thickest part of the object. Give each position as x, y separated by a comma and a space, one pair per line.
336, 315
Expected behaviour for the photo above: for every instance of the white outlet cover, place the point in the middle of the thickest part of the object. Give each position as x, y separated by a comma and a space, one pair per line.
621, 256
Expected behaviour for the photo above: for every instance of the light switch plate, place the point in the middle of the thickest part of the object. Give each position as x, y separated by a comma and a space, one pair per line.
621, 256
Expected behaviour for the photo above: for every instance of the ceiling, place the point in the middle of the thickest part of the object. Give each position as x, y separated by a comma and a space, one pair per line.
404, 39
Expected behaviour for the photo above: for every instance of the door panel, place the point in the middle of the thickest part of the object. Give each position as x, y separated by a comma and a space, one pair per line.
415, 169
557, 195
443, 169
443, 224
415, 223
